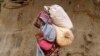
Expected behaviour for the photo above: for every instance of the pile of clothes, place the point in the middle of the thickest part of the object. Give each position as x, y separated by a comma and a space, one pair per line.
51, 37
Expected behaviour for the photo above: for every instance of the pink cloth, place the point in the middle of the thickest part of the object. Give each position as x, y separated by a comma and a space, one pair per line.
44, 16
45, 45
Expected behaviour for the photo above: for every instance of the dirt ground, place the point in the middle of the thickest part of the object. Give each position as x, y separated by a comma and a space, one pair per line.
17, 30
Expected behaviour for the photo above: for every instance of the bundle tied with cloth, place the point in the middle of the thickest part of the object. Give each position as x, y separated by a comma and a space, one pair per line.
55, 27
62, 23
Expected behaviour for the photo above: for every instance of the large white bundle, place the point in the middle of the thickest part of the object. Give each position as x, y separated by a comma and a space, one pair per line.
62, 24
59, 16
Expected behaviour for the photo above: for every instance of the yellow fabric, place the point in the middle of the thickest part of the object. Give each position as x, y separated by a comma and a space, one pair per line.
64, 36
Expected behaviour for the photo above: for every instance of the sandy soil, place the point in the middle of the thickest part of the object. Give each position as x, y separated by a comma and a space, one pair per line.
17, 31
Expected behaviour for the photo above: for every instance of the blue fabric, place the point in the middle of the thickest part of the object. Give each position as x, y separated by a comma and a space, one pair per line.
39, 51
49, 32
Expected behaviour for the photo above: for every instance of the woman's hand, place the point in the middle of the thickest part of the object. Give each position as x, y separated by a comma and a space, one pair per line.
39, 36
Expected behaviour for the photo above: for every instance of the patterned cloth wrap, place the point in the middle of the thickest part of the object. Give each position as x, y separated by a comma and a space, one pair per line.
44, 16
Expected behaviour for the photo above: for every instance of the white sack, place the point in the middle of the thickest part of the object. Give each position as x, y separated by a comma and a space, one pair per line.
59, 16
